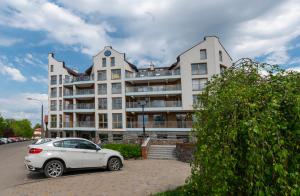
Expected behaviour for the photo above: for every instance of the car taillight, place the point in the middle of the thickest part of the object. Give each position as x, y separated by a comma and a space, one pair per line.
35, 150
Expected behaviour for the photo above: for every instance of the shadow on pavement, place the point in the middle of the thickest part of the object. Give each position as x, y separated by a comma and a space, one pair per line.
41, 176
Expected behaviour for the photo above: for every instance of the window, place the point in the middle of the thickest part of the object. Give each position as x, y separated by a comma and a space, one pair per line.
116, 74
60, 121
102, 103
60, 105
60, 79
117, 137
116, 88
102, 75
117, 103
222, 68
199, 68
53, 121
185, 138
103, 62
57, 144
117, 121
51, 68
112, 61
103, 121
220, 56
203, 55
53, 92
82, 144
103, 138
159, 120
60, 91
199, 84
70, 143
53, 80
53, 105
102, 89
195, 99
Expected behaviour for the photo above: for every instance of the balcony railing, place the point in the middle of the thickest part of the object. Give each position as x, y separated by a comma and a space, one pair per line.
68, 124
78, 79
53, 94
160, 124
85, 124
85, 106
154, 104
153, 73
198, 87
85, 92
69, 107
53, 108
68, 93
153, 88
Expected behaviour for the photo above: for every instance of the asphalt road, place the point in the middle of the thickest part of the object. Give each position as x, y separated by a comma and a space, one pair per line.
12, 169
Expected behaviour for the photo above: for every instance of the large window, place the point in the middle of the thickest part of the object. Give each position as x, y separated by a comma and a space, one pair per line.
60, 91
60, 79
199, 84
53, 80
53, 105
117, 103
103, 62
112, 61
203, 55
103, 121
199, 68
51, 68
102, 103
102, 89
53, 123
53, 92
159, 120
60, 105
116, 88
116, 74
117, 121
102, 75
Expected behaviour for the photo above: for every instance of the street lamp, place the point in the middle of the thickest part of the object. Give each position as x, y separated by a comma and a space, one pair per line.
143, 103
42, 114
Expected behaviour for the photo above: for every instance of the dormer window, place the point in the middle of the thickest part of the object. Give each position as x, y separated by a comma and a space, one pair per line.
103, 62
51, 68
203, 54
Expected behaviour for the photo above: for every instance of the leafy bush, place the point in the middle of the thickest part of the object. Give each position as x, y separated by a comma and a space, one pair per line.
179, 191
127, 150
247, 129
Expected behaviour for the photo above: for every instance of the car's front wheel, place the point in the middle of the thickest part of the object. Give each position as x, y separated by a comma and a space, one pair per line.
114, 164
54, 168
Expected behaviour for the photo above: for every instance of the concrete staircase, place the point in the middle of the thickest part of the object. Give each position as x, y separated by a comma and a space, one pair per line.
162, 152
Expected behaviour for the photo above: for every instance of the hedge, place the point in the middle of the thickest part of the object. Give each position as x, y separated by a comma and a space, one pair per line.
127, 150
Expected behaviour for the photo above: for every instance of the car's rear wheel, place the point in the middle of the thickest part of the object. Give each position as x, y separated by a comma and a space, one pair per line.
114, 164
54, 168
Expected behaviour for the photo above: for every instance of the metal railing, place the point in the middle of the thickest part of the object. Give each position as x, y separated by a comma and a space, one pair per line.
153, 104
153, 88
160, 124
155, 73
85, 124
85, 91
85, 106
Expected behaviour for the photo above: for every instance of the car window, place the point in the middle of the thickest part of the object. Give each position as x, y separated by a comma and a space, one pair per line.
82, 144
57, 144
70, 143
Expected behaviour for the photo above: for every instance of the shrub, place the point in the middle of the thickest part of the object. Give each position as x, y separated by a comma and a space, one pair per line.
127, 150
247, 129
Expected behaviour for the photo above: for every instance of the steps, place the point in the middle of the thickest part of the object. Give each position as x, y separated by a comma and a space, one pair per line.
162, 152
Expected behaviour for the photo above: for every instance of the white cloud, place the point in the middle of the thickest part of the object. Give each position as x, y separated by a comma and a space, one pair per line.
18, 107
13, 73
40, 79
6, 41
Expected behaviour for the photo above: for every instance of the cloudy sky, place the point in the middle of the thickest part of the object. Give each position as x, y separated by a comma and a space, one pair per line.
148, 30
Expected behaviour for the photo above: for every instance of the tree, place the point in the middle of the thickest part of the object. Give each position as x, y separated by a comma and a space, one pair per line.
22, 128
247, 129
37, 125
3, 125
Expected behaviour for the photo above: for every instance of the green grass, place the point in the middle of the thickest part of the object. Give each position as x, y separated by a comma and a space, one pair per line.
128, 151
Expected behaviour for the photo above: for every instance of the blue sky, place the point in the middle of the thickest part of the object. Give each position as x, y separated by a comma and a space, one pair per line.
149, 30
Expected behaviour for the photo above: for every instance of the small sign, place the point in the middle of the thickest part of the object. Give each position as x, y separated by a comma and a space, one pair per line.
107, 53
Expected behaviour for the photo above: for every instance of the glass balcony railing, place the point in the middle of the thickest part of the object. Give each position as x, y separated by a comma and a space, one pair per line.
68, 93
160, 124
68, 124
153, 88
85, 124
85, 106
155, 73
85, 92
69, 107
53, 108
154, 104
78, 79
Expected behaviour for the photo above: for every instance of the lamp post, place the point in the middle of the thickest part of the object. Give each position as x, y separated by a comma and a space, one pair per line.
143, 103
42, 114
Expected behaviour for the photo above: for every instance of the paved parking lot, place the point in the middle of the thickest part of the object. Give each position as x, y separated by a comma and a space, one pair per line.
138, 177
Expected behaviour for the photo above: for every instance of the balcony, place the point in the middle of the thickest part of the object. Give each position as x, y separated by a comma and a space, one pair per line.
160, 125
85, 124
153, 75
79, 80
80, 107
85, 92
155, 90
53, 108
159, 105
68, 124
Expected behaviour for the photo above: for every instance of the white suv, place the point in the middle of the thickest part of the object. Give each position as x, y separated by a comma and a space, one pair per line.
55, 156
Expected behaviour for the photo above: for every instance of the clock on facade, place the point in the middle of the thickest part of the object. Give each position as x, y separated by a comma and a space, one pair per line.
107, 53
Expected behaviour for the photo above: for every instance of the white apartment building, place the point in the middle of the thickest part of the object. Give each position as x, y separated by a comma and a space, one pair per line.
105, 101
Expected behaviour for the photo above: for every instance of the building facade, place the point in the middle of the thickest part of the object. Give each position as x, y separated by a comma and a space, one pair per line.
106, 100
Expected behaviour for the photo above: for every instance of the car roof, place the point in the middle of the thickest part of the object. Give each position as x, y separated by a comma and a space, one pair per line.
69, 138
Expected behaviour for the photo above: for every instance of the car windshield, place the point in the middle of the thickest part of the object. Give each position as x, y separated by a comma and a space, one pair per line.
41, 141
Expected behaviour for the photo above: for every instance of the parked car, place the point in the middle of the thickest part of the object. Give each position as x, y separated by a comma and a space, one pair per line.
55, 156
4, 140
